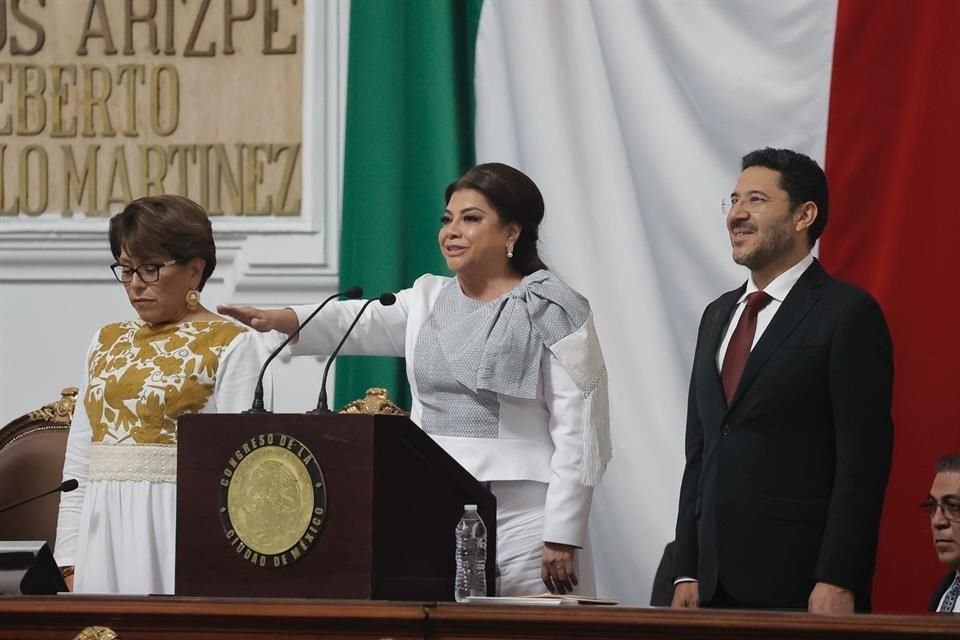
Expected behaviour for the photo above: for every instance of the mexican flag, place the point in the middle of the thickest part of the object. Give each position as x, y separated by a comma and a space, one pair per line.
632, 118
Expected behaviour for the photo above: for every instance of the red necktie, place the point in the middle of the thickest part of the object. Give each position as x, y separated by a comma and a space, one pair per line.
735, 359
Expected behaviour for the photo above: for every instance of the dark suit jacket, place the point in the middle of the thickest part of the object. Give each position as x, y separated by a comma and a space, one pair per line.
941, 589
784, 488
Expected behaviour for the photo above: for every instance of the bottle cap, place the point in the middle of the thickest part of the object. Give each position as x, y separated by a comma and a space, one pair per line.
469, 507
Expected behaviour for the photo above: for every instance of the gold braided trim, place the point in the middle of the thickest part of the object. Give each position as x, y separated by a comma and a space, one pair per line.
137, 462
59, 412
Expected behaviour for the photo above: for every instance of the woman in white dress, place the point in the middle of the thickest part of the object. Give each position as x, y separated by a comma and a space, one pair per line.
505, 371
116, 532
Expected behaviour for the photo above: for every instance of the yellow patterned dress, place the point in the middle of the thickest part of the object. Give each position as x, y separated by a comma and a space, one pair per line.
119, 527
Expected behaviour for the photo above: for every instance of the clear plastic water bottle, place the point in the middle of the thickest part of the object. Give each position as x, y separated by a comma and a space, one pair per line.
471, 555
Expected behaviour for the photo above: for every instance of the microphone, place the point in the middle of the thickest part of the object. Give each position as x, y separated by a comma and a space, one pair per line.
386, 299
257, 406
66, 486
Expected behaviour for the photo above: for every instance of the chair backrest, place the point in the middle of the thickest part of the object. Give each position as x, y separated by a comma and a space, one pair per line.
32, 449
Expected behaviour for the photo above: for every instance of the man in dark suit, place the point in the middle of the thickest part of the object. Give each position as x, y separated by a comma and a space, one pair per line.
789, 434
943, 505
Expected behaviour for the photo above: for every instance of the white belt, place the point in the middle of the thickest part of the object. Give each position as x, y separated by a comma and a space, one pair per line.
149, 462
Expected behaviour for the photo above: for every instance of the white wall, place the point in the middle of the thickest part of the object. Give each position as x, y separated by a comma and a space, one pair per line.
56, 289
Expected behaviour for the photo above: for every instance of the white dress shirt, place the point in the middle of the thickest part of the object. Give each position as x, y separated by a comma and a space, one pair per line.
777, 290
956, 605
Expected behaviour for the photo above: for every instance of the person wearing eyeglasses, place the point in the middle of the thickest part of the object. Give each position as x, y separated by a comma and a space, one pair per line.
116, 532
789, 434
943, 506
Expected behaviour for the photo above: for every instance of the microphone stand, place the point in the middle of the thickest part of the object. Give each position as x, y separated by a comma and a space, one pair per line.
386, 299
258, 406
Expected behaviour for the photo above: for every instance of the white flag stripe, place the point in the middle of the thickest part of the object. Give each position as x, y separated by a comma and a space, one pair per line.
632, 117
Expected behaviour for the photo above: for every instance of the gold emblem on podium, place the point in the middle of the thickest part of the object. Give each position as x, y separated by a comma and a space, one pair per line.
272, 500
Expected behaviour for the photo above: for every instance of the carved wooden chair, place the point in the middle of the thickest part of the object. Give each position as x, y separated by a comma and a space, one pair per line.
32, 449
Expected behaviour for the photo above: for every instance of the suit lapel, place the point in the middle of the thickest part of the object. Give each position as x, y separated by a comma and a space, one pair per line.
802, 297
713, 336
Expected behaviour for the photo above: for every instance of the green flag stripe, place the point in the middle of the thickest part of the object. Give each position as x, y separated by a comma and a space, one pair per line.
409, 132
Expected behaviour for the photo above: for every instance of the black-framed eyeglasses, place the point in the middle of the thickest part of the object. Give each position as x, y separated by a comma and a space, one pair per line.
949, 506
147, 272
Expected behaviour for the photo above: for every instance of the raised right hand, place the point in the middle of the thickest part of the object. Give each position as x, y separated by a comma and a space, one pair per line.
284, 320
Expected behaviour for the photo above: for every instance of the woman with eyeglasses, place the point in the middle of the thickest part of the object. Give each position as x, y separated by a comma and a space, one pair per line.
116, 533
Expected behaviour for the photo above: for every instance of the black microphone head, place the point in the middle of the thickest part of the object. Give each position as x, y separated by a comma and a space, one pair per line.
69, 485
353, 293
387, 299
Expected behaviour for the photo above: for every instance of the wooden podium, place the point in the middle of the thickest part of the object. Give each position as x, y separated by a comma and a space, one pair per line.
386, 501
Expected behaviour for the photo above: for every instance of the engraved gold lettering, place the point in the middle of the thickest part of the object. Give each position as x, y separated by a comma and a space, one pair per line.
293, 154
191, 50
148, 18
152, 184
102, 32
59, 98
80, 182
29, 23
119, 177
43, 183
96, 102
173, 94
131, 74
30, 99
184, 153
271, 24
229, 17
254, 175
14, 208
168, 48
204, 152
5, 129
224, 174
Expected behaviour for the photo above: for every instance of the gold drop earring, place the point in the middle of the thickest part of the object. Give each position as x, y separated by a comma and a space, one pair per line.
193, 300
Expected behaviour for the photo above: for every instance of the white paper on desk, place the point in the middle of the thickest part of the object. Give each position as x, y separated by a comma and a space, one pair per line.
549, 602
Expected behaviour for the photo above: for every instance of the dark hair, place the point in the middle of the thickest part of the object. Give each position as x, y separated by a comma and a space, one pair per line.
949, 463
164, 225
801, 177
517, 199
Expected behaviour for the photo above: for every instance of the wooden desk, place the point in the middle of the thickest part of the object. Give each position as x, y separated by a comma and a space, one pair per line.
166, 618
180, 618
448, 621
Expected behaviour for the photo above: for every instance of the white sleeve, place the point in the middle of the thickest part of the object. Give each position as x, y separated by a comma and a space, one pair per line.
567, 507
238, 371
381, 330
76, 465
